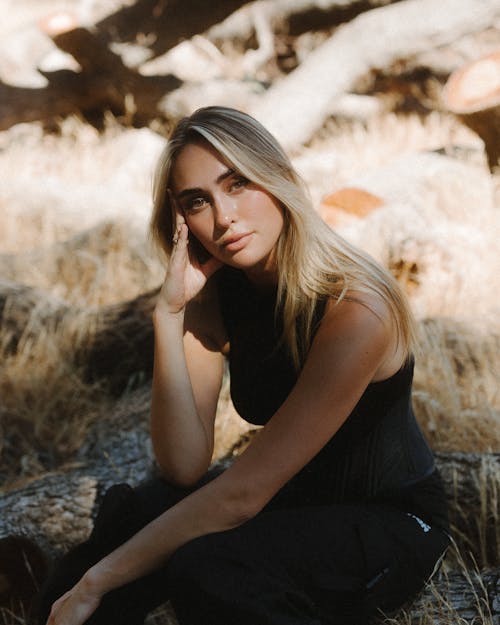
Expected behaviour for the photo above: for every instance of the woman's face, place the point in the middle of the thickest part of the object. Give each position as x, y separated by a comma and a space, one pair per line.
234, 219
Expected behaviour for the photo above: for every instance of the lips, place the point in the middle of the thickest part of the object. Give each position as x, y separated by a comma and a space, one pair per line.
236, 242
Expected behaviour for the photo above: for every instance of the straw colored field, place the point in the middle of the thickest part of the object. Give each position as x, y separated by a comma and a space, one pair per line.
75, 209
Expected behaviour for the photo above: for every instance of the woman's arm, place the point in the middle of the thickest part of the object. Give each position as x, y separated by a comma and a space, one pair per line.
353, 347
350, 349
203, 512
187, 377
188, 366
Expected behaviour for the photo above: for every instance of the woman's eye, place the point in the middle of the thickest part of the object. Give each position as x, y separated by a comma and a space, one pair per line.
239, 182
195, 204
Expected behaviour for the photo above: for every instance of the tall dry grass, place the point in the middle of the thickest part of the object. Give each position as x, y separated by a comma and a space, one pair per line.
55, 185
445, 601
47, 407
346, 151
105, 264
456, 394
53, 237
87, 262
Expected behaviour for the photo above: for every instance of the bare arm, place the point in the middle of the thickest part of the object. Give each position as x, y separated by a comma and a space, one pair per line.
188, 368
350, 349
187, 376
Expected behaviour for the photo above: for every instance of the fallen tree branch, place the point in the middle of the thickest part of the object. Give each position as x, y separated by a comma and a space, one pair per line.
122, 342
48, 515
104, 83
472, 484
462, 596
295, 107
162, 25
293, 16
473, 94
56, 510
113, 342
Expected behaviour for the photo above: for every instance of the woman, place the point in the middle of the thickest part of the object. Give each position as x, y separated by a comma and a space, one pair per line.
335, 510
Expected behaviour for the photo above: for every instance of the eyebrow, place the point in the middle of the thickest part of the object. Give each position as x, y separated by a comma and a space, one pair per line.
195, 190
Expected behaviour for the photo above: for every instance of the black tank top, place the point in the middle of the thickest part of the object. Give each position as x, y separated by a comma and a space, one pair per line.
379, 453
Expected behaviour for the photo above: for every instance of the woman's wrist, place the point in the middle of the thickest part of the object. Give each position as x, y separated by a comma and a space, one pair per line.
162, 315
94, 583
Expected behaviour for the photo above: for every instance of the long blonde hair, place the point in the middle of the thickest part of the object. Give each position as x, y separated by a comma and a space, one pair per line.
313, 261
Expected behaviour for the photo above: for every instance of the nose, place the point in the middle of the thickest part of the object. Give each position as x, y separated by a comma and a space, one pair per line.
224, 212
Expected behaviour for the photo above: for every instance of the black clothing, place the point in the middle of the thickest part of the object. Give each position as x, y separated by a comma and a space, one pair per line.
379, 454
359, 528
310, 565
313, 565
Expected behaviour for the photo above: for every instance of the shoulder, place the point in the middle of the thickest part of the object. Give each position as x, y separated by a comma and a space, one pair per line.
358, 314
203, 318
363, 323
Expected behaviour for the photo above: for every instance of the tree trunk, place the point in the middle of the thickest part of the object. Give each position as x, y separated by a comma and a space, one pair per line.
165, 23
295, 107
48, 515
121, 345
56, 510
293, 16
461, 596
19, 304
104, 83
472, 484
473, 94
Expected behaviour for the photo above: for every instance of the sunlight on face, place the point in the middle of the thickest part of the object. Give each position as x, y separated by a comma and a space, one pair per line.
234, 219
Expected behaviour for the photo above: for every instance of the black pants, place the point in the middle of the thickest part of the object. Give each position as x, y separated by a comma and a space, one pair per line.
311, 565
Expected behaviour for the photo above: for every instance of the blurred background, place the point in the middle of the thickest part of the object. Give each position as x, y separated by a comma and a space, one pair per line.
391, 113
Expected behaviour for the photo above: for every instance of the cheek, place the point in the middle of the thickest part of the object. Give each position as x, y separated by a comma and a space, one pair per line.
263, 209
199, 227
274, 219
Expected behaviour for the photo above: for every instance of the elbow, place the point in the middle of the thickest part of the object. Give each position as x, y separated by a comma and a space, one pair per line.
181, 477
244, 513
241, 507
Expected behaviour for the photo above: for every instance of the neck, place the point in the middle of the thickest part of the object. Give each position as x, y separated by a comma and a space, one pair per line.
263, 278
264, 275
262, 283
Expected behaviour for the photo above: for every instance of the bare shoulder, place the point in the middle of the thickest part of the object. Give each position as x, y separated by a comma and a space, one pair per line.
365, 318
359, 314
203, 319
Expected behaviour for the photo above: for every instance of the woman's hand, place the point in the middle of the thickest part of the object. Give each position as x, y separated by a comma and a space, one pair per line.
185, 276
75, 606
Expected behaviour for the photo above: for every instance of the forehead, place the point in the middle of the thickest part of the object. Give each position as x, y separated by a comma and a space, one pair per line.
196, 165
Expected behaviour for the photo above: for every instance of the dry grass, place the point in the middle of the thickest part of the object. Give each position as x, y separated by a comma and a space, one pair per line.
456, 394
47, 407
87, 262
105, 264
346, 151
53, 237
444, 604
72, 181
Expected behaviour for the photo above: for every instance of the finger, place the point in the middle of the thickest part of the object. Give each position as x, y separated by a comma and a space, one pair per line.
56, 607
179, 254
176, 235
174, 209
183, 234
177, 211
180, 235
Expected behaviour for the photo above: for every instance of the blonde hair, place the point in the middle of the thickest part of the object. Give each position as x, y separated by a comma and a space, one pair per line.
313, 261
